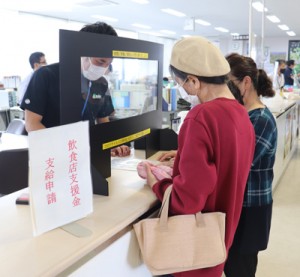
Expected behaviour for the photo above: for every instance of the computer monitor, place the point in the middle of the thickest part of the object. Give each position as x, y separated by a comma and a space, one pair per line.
135, 92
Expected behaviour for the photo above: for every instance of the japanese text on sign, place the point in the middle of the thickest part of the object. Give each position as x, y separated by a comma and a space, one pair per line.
73, 163
130, 54
49, 181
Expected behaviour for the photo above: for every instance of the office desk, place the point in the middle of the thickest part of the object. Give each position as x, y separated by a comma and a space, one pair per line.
59, 253
11, 141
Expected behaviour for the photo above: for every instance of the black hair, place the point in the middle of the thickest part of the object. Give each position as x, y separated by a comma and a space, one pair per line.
242, 66
290, 62
35, 58
99, 28
210, 80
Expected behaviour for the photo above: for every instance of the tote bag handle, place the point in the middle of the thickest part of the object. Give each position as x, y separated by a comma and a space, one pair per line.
164, 211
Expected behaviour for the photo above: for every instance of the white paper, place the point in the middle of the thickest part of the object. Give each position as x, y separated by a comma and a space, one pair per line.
125, 163
60, 182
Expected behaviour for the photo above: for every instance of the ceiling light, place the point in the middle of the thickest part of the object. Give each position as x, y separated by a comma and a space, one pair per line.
173, 12
168, 32
221, 29
92, 3
141, 1
259, 6
104, 18
283, 27
235, 34
202, 22
141, 26
273, 18
156, 34
291, 33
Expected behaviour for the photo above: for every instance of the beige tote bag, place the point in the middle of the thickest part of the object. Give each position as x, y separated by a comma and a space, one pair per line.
182, 242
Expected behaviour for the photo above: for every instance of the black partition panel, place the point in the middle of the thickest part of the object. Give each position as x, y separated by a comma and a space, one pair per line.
103, 137
13, 170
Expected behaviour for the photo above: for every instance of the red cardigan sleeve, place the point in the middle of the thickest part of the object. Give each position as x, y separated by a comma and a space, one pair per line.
194, 174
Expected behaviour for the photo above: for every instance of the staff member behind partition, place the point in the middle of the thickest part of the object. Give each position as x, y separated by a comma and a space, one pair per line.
215, 143
41, 101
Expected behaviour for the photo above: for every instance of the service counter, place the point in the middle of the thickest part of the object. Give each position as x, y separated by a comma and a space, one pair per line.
59, 253
288, 125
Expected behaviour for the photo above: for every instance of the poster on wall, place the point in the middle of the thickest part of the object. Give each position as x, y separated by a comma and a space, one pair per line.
274, 56
294, 53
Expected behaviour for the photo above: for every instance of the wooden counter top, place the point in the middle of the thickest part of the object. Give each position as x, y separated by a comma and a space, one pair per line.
21, 254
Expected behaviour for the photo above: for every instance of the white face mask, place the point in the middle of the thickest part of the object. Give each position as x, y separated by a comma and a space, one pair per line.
193, 99
93, 72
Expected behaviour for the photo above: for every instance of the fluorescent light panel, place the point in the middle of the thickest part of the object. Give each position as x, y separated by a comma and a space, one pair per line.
259, 6
273, 18
168, 32
221, 29
142, 2
283, 27
235, 34
291, 33
104, 18
202, 22
173, 12
141, 26
156, 34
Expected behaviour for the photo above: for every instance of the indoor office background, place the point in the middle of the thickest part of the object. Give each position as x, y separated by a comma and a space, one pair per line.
24, 32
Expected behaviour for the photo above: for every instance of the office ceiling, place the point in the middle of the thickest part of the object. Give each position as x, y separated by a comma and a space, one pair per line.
230, 14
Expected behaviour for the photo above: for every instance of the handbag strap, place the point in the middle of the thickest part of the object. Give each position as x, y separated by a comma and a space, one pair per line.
164, 210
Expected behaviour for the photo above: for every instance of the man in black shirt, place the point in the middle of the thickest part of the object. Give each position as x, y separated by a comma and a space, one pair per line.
41, 101
289, 74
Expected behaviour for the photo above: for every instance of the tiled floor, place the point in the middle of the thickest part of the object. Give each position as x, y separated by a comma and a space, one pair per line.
282, 258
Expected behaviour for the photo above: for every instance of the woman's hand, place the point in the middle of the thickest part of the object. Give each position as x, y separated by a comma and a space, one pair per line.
120, 151
167, 156
151, 179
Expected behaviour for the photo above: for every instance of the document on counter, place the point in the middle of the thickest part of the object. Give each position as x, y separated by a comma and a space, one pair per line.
127, 163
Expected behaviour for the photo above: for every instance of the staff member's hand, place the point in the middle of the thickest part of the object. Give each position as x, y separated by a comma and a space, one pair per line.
120, 151
151, 179
167, 156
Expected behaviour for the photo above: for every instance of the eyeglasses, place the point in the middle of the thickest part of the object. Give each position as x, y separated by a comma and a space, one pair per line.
177, 80
182, 84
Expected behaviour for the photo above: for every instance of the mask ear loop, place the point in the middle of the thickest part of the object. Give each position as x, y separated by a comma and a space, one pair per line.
86, 100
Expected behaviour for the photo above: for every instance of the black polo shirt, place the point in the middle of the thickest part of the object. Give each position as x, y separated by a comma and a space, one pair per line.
43, 96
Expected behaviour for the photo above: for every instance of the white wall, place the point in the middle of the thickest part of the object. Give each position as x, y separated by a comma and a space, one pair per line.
23, 34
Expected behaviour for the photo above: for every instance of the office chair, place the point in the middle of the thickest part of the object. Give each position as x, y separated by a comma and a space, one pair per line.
17, 127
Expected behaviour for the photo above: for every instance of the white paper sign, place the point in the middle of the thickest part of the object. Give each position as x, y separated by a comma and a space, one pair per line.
60, 182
